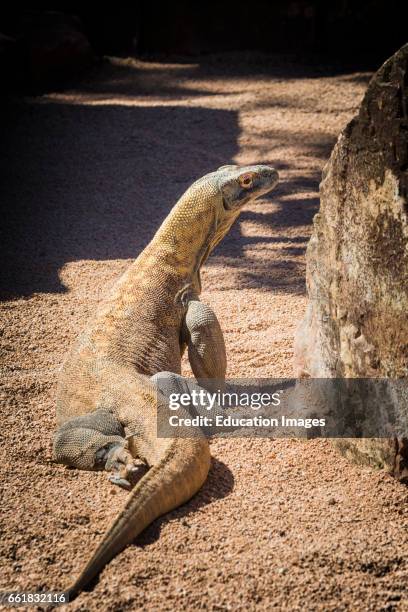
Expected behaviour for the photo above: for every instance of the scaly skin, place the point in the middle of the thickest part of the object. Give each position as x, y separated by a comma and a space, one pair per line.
107, 400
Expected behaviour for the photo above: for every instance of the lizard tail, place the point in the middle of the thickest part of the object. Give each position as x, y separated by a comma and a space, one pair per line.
169, 483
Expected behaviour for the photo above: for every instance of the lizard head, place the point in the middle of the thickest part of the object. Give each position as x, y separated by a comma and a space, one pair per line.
239, 185
227, 190
207, 210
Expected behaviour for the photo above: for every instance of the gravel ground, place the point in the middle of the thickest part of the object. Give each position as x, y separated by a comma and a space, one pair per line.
89, 174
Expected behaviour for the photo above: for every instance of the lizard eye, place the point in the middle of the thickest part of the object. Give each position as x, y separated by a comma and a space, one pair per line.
246, 180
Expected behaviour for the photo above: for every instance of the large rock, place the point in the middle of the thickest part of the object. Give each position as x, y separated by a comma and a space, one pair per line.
356, 324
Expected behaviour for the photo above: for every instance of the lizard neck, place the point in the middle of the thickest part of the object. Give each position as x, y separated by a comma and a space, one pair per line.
187, 236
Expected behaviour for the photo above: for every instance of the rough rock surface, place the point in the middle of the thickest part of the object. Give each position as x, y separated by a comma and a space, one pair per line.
357, 258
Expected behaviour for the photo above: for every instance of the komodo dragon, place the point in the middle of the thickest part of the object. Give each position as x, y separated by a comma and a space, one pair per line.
108, 394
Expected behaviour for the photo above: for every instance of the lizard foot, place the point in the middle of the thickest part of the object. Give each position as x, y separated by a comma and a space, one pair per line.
123, 468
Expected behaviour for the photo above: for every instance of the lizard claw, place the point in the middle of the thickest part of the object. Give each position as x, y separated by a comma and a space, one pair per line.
127, 476
121, 464
121, 482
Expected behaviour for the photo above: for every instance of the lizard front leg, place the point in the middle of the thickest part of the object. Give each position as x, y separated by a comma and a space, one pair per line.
205, 341
96, 441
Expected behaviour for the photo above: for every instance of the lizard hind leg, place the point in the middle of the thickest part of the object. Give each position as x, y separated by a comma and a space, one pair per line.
96, 441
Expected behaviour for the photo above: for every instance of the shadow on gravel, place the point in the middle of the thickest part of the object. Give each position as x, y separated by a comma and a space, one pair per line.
92, 178
286, 273
95, 182
179, 75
